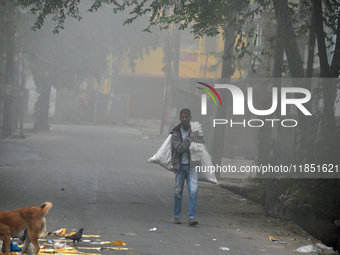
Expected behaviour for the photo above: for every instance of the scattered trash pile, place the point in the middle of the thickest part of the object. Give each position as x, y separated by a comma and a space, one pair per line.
75, 243
318, 248
61, 242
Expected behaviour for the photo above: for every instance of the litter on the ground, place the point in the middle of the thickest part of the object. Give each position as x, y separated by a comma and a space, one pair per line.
66, 250
91, 248
128, 234
224, 248
60, 231
152, 229
61, 246
47, 251
119, 248
58, 245
307, 249
116, 242
14, 247
281, 242
271, 238
322, 246
104, 248
69, 234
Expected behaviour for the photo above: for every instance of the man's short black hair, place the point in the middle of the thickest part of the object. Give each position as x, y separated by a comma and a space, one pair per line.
185, 111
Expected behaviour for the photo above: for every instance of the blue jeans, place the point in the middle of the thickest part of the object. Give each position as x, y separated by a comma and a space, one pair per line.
185, 172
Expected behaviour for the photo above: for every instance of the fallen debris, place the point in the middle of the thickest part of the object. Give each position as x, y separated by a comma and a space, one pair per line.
307, 249
116, 242
61, 246
324, 247
224, 248
271, 238
91, 236
128, 234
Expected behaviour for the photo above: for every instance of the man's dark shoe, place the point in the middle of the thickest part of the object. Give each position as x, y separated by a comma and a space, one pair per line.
192, 222
177, 221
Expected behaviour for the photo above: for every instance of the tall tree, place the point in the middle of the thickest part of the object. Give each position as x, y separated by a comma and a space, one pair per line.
207, 18
212, 17
80, 50
10, 19
329, 86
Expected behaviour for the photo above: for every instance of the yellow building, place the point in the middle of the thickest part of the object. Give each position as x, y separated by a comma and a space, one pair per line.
195, 59
146, 85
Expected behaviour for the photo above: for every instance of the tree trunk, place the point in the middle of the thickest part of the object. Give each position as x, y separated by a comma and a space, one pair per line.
176, 41
295, 64
167, 69
277, 74
42, 106
329, 130
311, 50
290, 44
335, 65
9, 72
227, 72
306, 135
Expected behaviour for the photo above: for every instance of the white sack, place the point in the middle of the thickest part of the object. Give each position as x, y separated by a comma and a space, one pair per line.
206, 162
308, 249
163, 155
196, 127
163, 158
196, 150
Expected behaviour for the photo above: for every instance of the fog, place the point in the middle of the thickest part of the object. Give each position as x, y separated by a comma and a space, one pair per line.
96, 98
92, 65
102, 72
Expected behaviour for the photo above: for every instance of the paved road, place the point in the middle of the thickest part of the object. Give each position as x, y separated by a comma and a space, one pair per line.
98, 178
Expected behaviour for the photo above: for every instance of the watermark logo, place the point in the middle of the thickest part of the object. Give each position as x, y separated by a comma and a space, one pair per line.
204, 97
238, 100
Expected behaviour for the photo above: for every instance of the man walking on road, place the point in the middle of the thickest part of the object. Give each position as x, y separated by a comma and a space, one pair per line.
184, 169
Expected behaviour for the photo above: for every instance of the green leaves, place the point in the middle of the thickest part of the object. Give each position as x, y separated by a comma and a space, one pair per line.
60, 10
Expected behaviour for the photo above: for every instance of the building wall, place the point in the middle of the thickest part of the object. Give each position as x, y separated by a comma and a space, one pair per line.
147, 83
146, 95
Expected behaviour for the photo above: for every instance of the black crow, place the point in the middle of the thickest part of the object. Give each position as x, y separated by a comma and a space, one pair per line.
77, 236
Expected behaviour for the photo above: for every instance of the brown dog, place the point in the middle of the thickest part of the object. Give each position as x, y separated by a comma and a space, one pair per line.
13, 222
